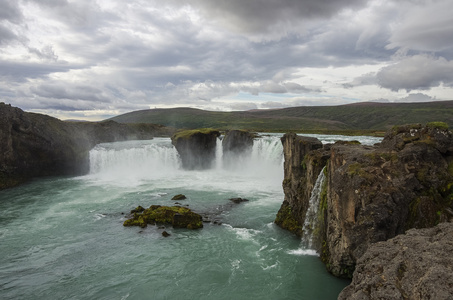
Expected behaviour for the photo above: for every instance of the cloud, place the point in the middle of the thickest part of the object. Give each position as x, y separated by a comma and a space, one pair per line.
417, 72
425, 27
6, 35
417, 97
271, 19
10, 11
128, 55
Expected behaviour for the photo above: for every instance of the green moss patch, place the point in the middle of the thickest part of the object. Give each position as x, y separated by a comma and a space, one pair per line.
177, 216
185, 134
286, 220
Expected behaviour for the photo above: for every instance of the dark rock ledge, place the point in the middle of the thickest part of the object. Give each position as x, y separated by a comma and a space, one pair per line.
416, 265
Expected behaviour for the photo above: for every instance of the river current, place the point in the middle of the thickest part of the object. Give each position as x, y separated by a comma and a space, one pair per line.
63, 238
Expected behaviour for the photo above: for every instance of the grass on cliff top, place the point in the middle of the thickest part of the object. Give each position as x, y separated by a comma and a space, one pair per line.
188, 133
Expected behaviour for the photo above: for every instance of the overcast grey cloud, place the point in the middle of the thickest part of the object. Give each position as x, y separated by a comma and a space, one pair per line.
93, 59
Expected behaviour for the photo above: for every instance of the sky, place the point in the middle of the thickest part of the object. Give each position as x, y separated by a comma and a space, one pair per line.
93, 59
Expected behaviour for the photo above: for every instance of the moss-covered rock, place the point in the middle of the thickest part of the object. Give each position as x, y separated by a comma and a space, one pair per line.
178, 217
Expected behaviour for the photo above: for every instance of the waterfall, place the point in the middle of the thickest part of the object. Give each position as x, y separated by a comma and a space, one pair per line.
311, 217
219, 154
267, 148
158, 158
133, 158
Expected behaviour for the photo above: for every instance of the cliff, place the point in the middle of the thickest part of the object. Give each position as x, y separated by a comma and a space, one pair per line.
237, 147
197, 148
371, 193
34, 145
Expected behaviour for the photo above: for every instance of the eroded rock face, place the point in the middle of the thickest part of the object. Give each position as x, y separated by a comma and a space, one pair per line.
33, 145
372, 193
197, 148
304, 159
237, 148
416, 265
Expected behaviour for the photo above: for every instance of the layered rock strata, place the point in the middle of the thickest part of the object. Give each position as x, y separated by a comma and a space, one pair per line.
372, 193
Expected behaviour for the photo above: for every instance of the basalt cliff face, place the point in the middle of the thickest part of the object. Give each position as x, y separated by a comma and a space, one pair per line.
196, 148
371, 193
34, 145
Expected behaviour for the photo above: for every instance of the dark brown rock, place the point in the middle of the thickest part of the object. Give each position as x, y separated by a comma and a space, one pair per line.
237, 141
179, 197
304, 160
238, 200
197, 148
416, 265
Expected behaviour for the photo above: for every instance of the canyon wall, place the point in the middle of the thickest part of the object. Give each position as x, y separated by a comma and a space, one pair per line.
372, 193
34, 145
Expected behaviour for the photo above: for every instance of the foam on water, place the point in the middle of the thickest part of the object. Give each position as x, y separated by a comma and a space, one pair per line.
303, 251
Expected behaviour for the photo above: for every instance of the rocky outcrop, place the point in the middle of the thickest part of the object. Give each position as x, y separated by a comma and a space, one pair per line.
304, 159
177, 216
197, 148
372, 193
237, 148
33, 145
416, 265
237, 141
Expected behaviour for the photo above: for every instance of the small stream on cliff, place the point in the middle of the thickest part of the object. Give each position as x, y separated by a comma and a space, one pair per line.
63, 238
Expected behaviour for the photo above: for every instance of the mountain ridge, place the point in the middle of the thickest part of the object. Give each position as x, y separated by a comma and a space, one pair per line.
371, 116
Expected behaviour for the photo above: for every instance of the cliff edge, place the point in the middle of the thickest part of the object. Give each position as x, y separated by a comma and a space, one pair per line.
34, 145
371, 193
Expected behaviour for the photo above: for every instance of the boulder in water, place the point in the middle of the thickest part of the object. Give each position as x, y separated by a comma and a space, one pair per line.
179, 197
238, 200
178, 217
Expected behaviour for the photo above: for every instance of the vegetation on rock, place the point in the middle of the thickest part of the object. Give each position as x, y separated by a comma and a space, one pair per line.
196, 147
178, 217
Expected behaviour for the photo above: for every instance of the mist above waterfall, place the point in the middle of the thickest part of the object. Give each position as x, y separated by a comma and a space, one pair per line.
136, 162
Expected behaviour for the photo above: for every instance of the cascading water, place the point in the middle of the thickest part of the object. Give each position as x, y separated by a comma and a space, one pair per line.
134, 159
311, 217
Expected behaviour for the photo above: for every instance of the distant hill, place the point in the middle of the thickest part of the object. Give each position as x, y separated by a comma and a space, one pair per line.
365, 116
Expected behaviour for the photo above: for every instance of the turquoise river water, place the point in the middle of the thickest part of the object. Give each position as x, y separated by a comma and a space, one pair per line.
63, 238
